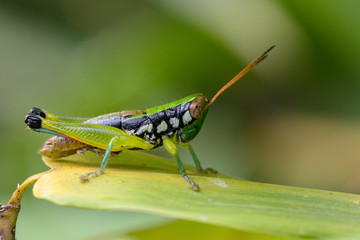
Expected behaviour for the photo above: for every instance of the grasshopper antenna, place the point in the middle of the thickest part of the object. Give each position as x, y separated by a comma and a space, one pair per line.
242, 73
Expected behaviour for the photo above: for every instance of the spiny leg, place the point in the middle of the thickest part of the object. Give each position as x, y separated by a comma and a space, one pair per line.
171, 148
85, 177
197, 162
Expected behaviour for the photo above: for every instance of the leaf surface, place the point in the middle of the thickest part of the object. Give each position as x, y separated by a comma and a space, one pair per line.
137, 181
180, 230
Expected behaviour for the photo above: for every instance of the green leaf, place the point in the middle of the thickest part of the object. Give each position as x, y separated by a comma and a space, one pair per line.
142, 182
180, 230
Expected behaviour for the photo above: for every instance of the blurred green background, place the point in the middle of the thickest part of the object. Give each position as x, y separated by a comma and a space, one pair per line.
294, 120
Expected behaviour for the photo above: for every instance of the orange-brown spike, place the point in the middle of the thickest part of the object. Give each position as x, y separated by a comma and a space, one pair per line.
242, 73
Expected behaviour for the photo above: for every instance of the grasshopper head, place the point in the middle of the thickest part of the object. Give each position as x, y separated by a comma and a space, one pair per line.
198, 110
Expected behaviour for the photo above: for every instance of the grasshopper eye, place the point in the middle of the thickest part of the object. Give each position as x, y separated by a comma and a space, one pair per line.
197, 106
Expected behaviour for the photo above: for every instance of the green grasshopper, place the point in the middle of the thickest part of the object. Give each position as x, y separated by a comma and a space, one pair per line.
175, 123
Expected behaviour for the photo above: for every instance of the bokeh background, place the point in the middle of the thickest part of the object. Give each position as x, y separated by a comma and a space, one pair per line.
294, 120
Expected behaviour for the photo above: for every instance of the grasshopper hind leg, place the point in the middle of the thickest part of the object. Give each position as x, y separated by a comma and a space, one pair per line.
38, 112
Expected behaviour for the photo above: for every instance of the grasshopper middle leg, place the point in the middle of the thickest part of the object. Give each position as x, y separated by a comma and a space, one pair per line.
85, 177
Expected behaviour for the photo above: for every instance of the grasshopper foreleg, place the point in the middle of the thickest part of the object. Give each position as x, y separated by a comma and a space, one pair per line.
171, 148
85, 177
197, 162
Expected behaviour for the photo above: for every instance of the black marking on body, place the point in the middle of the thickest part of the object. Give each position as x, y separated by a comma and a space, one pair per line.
112, 120
172, 112
133, 123
148, 127
156, 119
143, 130
159, 121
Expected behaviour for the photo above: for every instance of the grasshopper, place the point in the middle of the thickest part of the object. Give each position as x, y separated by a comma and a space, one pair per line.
168, 125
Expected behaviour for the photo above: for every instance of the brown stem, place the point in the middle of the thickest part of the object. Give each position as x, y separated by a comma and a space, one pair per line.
10, 211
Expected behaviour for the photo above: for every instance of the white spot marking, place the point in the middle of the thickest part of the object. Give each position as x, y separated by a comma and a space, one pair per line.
219, 182
131, 132
149, 127
142, 129
162, 127
204, 218
174, 122
186, 117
